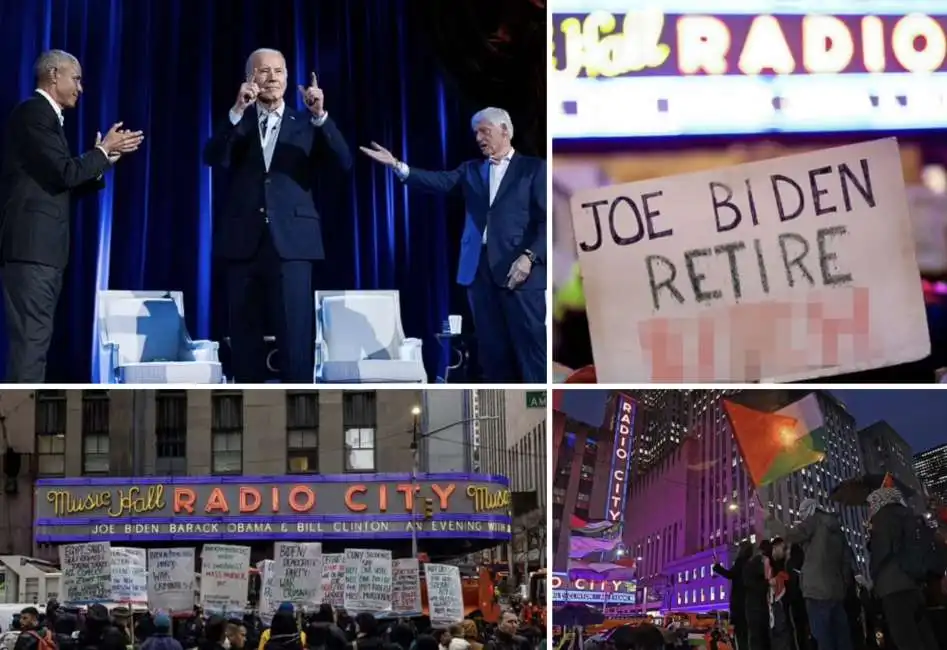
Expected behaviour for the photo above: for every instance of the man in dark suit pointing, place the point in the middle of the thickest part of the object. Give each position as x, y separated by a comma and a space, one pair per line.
503, 249
38, 178
270, 231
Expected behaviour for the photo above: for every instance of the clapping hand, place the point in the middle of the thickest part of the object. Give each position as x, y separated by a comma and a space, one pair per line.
313, 97
379, 154
119, 141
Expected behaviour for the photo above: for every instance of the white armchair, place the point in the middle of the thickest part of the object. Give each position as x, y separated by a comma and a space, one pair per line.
143, 339
360, 339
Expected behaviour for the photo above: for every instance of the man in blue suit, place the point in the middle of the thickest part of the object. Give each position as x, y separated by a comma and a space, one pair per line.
269, 232
503, 249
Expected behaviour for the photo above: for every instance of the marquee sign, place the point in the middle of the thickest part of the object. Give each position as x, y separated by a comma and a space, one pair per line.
581, 590
272, 507
622, 452
668, 68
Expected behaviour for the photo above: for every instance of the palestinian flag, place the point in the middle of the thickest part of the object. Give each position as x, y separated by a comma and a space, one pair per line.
592, 528
774, 445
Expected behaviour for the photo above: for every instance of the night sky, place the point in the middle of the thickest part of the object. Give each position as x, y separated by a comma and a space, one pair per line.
919, 416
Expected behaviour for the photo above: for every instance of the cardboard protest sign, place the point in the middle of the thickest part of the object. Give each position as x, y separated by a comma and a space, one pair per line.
129, 575
171, 582
298, 573
225, 575
86, 573
778, 270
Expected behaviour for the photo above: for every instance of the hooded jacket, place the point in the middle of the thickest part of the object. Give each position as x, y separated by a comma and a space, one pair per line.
888, 516
828, 567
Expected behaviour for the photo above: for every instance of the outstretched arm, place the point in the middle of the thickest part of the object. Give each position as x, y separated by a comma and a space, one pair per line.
443, 182
329, 143
422, 179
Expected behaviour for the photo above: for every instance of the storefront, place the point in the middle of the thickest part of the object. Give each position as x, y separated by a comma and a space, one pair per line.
462, 511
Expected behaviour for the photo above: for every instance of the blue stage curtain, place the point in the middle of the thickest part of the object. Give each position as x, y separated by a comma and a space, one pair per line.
172, 68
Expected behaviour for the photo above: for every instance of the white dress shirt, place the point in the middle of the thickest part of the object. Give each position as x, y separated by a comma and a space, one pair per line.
273, 120
493, 169
52, 102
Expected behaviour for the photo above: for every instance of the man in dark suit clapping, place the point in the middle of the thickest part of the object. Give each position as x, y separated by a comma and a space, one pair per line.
39, 176
270, 231
503, 249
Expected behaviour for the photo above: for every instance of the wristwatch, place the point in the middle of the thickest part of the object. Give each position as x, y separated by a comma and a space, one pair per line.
530, 255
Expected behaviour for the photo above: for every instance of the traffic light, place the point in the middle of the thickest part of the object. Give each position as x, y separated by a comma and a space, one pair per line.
429, 508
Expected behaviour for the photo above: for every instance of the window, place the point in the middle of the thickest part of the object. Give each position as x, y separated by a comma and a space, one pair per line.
227, 433
358, 421
51, 432
171, 433
302, 432
95, 432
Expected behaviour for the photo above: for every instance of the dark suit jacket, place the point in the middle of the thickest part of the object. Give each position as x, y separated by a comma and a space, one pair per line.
284, 194
38, 177
516, 221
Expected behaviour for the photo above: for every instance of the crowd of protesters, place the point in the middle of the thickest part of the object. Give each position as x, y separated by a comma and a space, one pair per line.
97, 628
802, 590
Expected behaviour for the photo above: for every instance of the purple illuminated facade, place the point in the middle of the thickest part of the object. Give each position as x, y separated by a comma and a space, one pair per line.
691, 498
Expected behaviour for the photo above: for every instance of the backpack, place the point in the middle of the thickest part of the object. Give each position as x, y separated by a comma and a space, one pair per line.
44, 642
920, 554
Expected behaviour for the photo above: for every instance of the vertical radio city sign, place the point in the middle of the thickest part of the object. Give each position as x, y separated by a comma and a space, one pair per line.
622, 451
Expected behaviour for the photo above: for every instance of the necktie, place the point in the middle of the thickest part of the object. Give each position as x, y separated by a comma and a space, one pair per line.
263, 126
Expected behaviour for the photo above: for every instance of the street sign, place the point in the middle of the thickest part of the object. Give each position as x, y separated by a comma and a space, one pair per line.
535, 399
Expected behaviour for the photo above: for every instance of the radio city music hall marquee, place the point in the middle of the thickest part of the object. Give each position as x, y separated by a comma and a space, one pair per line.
797, 69
471, 506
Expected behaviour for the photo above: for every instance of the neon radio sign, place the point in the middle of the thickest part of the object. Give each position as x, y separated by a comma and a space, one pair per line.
622, 452
583, 590
690, 72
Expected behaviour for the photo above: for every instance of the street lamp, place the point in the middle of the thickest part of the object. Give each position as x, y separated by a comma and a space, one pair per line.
416, 437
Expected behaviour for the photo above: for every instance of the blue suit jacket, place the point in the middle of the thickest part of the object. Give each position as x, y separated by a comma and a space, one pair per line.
284, 194
516, 221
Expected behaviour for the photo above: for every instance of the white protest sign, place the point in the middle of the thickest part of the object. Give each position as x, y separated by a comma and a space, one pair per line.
171, 580
86, 573
406, 587
267, 604
333, 579
297, 573
779, 270
225, 572
367, 580
129, 575
445, 596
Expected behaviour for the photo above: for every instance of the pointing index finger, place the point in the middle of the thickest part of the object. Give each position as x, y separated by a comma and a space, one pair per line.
251, 76
313, 81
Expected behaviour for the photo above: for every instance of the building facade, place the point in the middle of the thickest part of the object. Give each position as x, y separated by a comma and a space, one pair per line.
695, 499
173, 438
509, 439
884, 451
587, 457
931, 469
